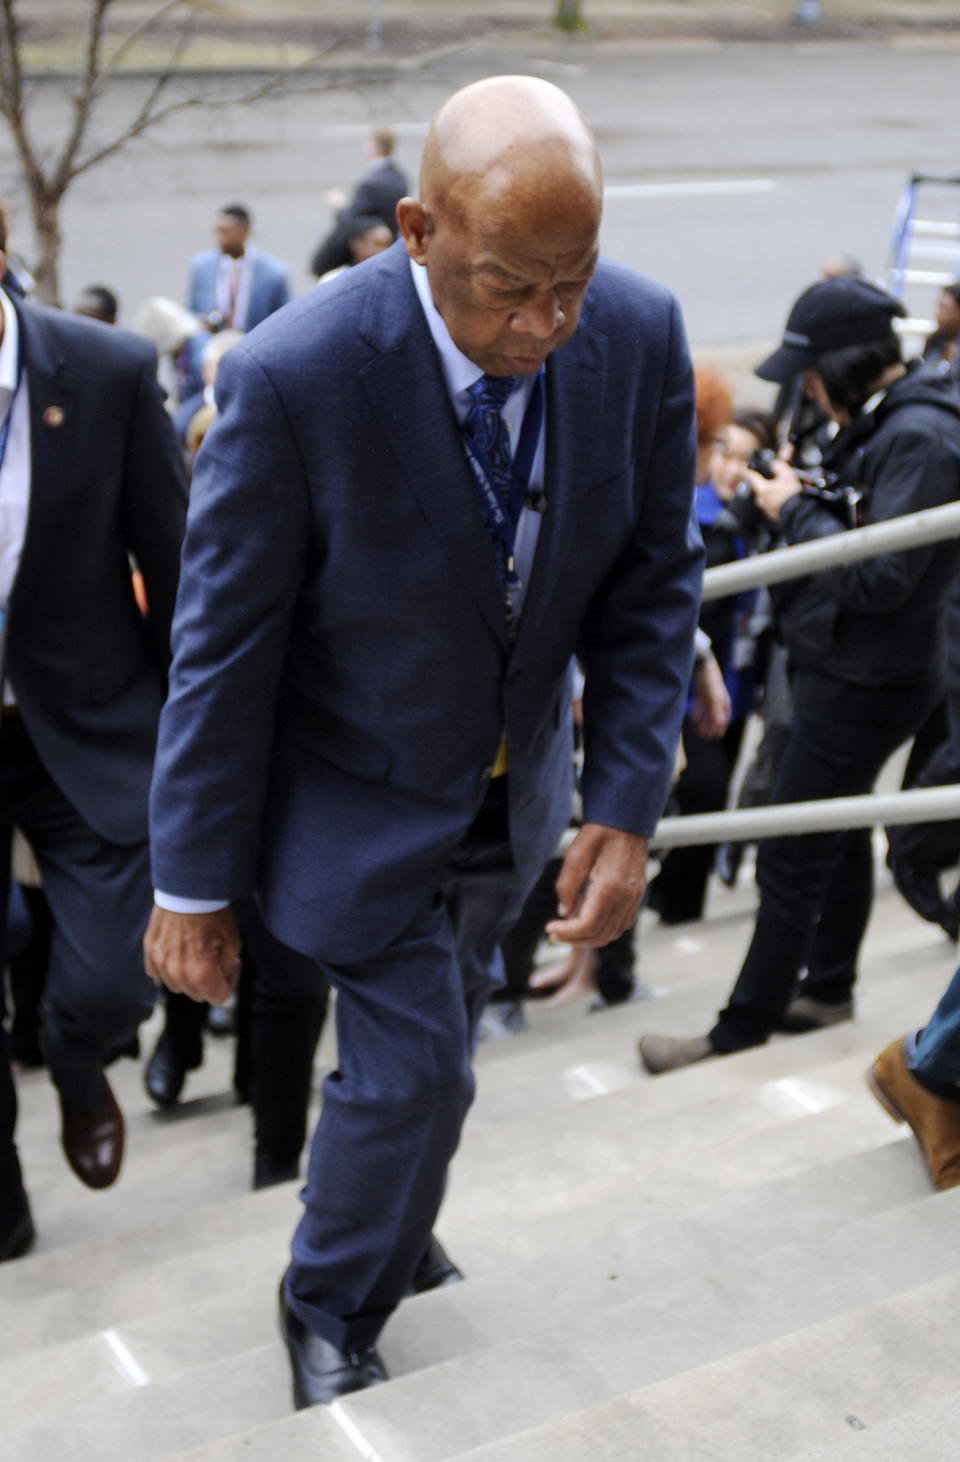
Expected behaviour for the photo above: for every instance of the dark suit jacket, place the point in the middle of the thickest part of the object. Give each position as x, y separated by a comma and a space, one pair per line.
106, 482
342, 671
375, 196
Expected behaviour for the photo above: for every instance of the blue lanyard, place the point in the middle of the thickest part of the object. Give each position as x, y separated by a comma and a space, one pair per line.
502, 511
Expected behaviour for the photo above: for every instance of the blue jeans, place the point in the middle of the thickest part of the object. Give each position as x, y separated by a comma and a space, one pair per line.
938, 1045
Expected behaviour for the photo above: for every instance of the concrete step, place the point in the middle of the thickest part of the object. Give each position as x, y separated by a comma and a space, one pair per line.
171, 1174
149, 1421
96, 1261
315, 1435
704, 1225
674, 1313
599, 1052
162, 1223
770, 1130
922, 1434
770, 1403
574, 1300
816, 1198
696, 964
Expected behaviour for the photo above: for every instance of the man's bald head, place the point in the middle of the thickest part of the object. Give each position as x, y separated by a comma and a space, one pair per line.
507, 219
505, 135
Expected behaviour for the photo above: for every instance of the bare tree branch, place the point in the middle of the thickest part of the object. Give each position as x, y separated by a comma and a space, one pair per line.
84, 98
48, 177
11, 73
11, 91
131, 38
147, 118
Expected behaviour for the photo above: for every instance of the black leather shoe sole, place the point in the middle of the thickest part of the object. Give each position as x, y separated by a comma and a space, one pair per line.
322, 1373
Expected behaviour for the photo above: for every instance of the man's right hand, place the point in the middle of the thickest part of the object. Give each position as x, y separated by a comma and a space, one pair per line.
194, 954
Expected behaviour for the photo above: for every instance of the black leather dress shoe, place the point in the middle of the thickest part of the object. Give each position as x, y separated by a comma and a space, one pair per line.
17, 1236
165, 1074
93, 1141
321, 1371
269, 1170
435, 1269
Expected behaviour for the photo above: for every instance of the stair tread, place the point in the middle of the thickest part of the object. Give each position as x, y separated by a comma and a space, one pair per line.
609, 1337
870, 1364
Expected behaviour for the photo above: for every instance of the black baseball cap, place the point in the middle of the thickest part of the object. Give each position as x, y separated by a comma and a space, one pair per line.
829, 316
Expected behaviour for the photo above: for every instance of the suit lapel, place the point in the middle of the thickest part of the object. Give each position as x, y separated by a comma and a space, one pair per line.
405, 388
576, 376
53, 423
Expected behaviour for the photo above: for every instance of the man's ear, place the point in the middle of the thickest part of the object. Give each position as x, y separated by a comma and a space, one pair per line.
414, 223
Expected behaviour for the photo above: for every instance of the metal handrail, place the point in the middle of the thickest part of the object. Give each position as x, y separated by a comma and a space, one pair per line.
828, 814
932, 804
933, 525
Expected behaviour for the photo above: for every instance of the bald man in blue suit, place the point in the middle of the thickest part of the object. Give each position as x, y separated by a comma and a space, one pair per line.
385, 579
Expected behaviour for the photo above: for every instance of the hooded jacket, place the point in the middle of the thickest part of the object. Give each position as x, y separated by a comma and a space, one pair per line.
881, 621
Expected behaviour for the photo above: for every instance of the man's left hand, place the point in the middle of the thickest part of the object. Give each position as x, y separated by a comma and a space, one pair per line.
600, 885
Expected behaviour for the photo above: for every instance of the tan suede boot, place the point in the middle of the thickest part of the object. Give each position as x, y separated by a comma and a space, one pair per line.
935, 1120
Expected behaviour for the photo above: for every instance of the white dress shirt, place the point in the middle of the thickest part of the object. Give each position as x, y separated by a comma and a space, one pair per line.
459, 374
15, 470
234, 281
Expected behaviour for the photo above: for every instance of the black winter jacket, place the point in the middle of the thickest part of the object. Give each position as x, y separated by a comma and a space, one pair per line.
882, 620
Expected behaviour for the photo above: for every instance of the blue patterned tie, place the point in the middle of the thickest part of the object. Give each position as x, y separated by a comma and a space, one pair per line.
485, 425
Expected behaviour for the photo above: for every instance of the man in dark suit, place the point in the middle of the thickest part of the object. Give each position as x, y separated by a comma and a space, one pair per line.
375, 196
235, 286
425, 490
90, 475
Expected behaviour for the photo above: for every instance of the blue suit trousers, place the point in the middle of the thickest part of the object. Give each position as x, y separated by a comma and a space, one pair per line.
393, 1109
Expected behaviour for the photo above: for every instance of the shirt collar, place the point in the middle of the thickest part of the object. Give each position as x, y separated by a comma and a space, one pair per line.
9, 348
247, 257
459, 371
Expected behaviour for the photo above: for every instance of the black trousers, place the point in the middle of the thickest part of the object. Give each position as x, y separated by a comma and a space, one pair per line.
279, 1027
100, 897
679, 889
816, 891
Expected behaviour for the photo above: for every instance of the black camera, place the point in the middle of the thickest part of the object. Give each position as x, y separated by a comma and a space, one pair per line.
743, 515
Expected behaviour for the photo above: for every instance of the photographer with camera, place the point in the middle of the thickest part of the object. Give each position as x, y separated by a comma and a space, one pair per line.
866, 646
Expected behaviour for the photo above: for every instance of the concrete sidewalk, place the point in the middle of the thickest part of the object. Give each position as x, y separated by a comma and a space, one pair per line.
300, 33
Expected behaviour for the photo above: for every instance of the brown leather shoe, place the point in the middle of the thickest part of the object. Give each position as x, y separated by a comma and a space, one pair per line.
670, 1053
935, 1120
93, 1141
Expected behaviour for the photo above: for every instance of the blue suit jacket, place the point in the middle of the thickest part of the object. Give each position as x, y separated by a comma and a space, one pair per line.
342, 670
269, 288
